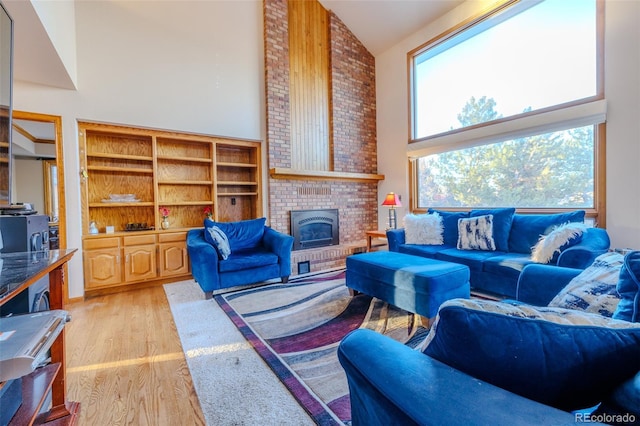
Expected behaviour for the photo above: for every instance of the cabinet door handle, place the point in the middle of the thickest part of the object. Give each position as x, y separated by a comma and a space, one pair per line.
126, 259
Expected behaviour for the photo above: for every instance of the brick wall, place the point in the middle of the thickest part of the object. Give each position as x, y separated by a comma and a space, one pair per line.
353, 114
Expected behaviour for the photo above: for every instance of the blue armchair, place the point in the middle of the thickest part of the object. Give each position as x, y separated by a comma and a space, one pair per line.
257, 253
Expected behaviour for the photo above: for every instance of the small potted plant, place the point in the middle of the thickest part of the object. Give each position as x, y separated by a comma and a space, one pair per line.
164, 212
207, 212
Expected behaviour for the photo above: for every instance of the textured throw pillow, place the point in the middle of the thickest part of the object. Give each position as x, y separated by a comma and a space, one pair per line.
502, 219
629, 289
423, 229
218, 239
594, 289
560, 238
559, 357
476, 233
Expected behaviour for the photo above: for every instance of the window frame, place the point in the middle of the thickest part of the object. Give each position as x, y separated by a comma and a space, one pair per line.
598, 213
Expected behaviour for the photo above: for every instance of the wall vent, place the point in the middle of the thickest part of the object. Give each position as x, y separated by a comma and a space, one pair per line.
314, 190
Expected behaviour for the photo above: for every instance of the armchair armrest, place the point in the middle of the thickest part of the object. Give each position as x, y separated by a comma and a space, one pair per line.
538, 284
280, 244
204, 260
392, 384
595, 241
395, 237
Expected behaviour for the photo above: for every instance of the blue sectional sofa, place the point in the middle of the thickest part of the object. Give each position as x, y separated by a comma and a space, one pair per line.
535, 371
496, 272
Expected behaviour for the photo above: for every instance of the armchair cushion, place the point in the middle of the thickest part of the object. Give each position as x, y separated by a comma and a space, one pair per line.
244, 234
629, 289
219, 241
567, 359
247, 259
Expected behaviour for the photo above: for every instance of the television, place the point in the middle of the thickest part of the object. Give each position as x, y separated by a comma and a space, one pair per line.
6, 79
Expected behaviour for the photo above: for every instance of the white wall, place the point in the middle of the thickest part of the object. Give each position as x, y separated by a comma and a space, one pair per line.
28, 174
622, 91
187, 66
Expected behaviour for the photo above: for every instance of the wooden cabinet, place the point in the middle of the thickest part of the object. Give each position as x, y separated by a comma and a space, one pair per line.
139, 254
172, 254
102, 266
181, 172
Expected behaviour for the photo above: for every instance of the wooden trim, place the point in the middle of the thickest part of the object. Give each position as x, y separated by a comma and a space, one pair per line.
283, 173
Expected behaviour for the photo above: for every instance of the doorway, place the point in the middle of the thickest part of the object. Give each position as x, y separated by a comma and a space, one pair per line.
42, 131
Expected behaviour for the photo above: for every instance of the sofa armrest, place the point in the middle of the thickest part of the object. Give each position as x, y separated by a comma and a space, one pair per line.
395, 237
392, 384
280, 244
595, 241
204, 260
538, 284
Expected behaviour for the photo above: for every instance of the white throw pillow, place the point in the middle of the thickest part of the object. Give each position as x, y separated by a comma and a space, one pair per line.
476, 233
551, 243
423, 229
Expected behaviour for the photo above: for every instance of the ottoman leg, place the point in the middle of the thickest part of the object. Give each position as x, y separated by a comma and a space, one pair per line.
353, 292
427, 322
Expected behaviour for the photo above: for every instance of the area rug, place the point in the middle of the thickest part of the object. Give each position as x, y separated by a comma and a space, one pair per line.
296, 328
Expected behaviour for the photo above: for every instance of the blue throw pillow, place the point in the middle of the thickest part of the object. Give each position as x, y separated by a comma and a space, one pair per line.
526, 229
559, 357
450, 225
629, 289
244, 234
219, 241
501, 224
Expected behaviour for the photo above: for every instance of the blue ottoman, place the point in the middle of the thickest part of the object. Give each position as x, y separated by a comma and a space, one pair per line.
413, 283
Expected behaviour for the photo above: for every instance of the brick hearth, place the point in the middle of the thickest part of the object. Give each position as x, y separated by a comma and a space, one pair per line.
354, 150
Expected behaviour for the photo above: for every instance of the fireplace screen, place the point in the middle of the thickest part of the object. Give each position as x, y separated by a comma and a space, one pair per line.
314, 228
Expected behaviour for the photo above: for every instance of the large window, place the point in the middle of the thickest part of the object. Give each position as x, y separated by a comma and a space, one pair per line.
505, 110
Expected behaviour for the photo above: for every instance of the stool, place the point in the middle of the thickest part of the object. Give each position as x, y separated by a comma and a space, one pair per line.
413, 283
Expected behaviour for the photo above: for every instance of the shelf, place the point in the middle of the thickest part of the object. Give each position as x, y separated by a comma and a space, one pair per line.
283, 173
119, 169
185, 182
235, 183
120, 156
186, 159
236, 194
185, 203
239, 165
137, 204
34, 388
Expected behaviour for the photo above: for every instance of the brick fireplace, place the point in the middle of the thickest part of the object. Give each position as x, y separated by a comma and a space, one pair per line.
352, 110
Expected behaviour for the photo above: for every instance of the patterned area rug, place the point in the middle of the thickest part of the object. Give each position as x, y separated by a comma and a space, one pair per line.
296, 328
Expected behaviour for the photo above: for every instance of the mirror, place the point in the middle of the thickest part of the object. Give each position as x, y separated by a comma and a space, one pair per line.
6, 43
38, 168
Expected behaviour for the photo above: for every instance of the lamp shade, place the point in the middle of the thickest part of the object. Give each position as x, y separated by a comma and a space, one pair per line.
392, 200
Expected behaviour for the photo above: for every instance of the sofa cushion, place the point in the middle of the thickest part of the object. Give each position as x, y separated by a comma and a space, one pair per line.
526, 229
560, 357
423, 229
242, 235
501, 224
450, 225
507, 264
219, 241
422, 250
594, 289
247, 259
629, 289
474, 259
476, 233
561, 237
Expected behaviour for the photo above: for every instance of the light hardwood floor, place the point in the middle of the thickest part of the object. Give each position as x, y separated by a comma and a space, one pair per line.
125, 364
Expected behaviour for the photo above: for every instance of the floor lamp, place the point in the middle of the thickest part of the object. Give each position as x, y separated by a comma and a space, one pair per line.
392, 201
